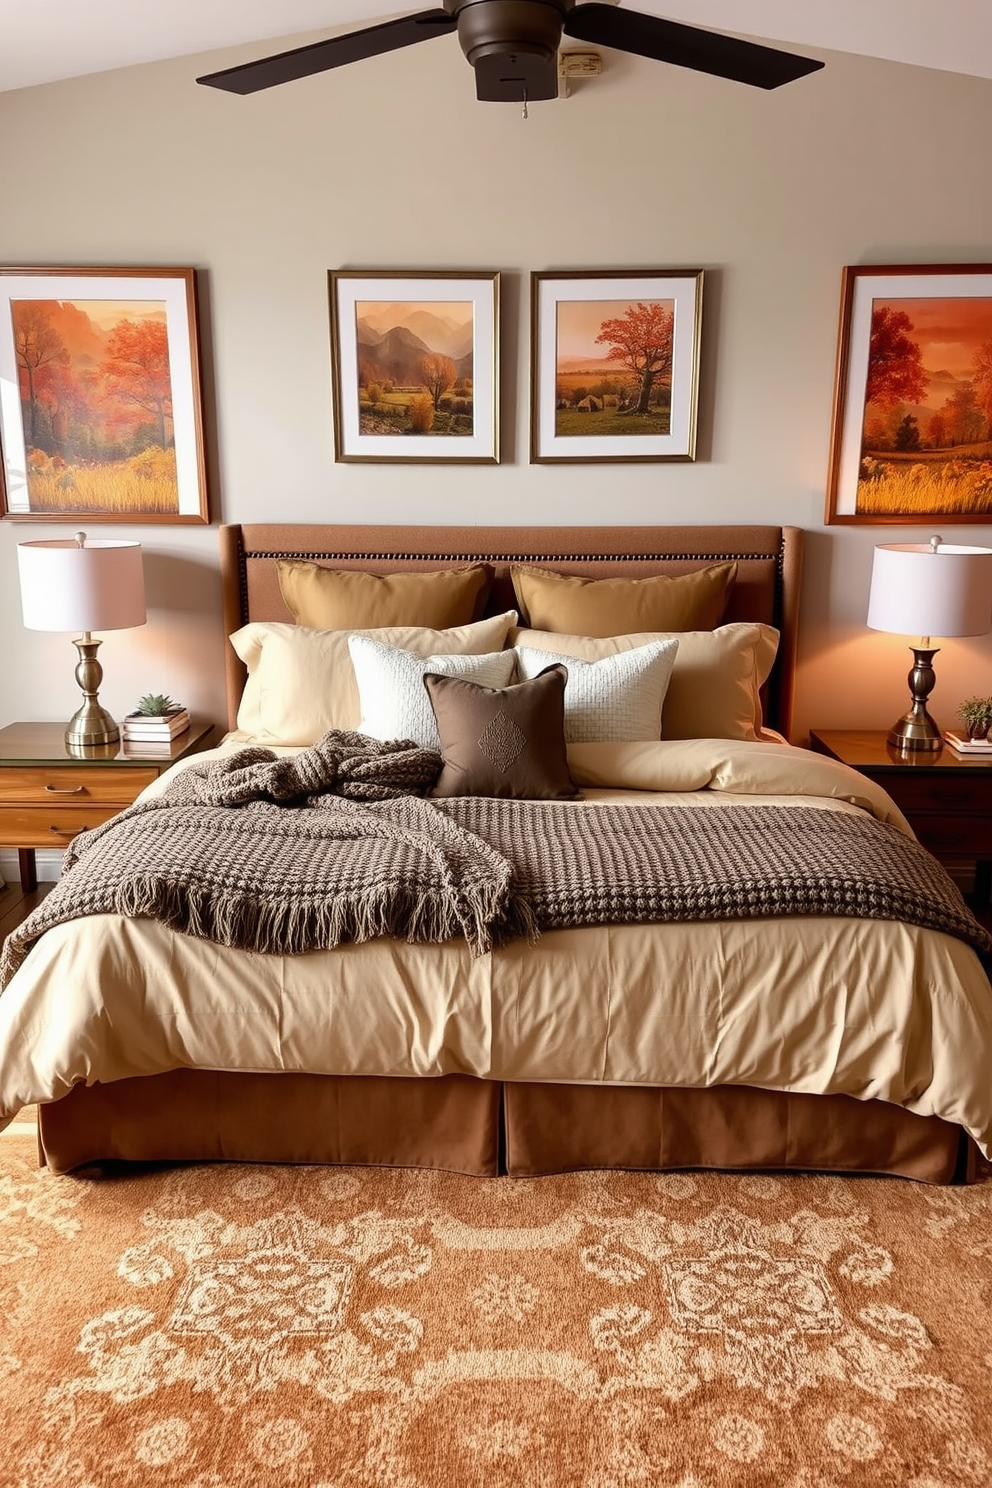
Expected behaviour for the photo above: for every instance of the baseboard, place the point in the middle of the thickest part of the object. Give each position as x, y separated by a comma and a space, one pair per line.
48, 860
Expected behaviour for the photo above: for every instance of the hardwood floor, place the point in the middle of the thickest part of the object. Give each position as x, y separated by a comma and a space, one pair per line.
16, 905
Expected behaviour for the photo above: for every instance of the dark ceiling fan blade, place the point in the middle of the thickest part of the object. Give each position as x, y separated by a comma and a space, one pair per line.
321, 56
686, 46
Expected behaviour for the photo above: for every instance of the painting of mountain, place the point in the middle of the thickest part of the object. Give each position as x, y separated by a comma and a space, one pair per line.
445, 328
415, 367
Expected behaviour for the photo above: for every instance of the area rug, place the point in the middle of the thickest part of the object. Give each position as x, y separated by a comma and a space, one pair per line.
248, 1327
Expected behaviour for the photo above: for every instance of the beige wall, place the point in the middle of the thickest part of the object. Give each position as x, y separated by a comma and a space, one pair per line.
392, 163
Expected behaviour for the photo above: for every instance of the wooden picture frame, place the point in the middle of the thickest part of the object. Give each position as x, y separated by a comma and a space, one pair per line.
100, 401
415, 365
912, 423
615, 364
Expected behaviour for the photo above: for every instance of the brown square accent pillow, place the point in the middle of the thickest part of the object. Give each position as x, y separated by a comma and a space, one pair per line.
502, 741
618, 606
350, 599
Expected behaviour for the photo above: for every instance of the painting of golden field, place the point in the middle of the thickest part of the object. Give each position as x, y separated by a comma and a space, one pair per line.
96, 405
613, 367
415, 367
926, 435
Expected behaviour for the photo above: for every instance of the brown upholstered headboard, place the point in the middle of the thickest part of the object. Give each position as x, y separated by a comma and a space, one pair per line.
767, 588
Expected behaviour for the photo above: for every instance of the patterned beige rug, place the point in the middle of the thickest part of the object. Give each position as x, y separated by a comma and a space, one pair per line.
248, 1327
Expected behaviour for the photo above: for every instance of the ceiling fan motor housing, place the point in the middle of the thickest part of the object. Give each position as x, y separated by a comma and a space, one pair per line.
512, 45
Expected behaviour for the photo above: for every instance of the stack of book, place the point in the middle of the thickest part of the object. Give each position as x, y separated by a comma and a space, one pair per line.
153, 732
961, 744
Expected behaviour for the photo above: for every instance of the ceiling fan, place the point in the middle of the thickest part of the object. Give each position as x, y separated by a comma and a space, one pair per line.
513, 46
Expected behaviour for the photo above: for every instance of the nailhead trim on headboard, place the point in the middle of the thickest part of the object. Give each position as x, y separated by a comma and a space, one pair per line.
315, 556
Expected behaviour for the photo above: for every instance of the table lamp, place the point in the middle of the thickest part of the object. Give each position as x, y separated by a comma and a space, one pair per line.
928, 589
74, 584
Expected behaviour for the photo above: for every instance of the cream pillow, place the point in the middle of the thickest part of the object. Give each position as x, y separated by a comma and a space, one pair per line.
395, 702
618, 698
351, 599
621, 606
301, 682
714, 692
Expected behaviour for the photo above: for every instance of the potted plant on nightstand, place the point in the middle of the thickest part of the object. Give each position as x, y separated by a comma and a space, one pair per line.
156, 719
976, 715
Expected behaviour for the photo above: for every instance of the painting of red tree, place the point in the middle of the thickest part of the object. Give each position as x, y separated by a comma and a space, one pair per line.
96, 404
613, 367
926, 434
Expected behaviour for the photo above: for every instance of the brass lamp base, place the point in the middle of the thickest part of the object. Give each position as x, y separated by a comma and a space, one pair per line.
91, 724
913, 735
916, 732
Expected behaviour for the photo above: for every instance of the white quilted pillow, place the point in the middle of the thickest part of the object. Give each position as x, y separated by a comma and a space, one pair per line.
394, 700
616, 699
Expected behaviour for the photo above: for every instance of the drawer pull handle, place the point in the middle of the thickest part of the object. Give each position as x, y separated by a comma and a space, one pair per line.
66, 790
68, 831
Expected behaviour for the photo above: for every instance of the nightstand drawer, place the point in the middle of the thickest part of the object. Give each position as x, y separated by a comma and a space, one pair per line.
954, 836
66, 785
47, 795
34, 826
935, 791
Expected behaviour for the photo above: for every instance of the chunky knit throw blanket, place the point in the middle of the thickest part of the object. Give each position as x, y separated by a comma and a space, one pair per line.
266, 878
342, 763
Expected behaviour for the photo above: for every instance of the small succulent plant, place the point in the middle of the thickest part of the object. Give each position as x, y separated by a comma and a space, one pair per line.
154, 704
976, 714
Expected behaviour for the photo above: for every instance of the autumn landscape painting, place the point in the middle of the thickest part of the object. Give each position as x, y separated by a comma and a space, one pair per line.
926, 435
415, 367
613, 367
96, 406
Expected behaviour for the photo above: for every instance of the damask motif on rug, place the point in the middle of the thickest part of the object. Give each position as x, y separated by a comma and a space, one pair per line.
220, 1327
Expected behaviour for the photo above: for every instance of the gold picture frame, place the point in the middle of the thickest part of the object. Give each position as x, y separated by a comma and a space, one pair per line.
415, 365
912, 424
101, 413
615, 365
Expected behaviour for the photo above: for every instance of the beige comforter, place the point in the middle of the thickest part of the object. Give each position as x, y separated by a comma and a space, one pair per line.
859, 1007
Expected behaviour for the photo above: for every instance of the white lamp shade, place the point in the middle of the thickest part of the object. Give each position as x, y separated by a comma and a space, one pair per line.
918, 590
65, 586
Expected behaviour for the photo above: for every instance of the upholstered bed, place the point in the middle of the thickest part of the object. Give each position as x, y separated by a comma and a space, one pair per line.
822, 1041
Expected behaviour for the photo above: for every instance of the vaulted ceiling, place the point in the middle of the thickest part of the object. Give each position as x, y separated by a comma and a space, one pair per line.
43, 40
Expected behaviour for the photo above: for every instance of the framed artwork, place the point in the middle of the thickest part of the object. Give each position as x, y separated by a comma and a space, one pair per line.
912, 424
615, 364
415, 365
100, 403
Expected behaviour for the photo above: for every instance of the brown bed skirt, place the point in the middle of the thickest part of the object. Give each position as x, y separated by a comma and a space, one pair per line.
555, 1128
480, 1127
190, 1115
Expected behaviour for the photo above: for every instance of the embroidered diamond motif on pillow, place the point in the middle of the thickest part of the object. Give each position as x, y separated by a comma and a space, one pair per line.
501, 741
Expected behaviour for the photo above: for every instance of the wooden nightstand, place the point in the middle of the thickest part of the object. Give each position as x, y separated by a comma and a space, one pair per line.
946, 797
47, 795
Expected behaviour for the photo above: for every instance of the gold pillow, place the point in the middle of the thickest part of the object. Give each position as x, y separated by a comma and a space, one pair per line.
619, 606
714, 692
301, 682
348, 599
